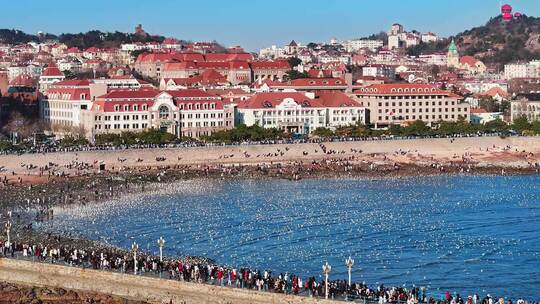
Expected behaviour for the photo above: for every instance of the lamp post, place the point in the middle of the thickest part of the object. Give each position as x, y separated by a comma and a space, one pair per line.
326, 269
161, 243
349, 263
134, 248
8, 228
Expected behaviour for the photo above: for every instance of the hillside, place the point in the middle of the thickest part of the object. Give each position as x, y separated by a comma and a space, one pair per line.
81, 40
496, 42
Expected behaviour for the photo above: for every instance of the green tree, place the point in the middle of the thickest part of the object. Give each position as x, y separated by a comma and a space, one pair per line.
496, 125
294, 62
521, 124
417, 128
322, 132
294, 74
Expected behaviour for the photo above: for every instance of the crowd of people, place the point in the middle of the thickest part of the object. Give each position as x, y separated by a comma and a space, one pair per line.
204, 271
52, 147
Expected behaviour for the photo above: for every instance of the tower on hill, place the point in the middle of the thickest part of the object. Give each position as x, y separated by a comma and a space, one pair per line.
453, 55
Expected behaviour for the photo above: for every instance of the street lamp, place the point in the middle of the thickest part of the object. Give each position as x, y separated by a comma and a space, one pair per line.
349, 263
326, 269
8, 228
161, 243
134, 248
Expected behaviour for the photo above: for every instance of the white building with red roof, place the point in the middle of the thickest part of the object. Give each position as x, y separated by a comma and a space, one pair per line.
300, 112
64, 102
51, 74
402, 103
189, 113
95, 107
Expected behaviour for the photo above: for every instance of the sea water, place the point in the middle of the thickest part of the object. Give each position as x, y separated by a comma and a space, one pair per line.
465, 234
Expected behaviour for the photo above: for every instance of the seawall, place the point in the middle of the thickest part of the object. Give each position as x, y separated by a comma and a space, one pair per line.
128, 286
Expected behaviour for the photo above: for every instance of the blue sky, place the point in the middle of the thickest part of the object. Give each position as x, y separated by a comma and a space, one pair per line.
254, 23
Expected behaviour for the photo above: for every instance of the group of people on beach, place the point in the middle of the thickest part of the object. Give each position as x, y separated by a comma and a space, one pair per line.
204, 271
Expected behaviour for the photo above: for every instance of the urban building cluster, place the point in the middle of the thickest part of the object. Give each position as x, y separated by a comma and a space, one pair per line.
197, 88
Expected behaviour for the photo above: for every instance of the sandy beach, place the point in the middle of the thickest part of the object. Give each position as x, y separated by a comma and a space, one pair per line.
513, 152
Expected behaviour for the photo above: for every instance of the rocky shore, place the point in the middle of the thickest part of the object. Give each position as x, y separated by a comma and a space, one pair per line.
21, 294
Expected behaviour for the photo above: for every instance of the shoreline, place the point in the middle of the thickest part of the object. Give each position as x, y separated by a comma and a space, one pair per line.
92, 187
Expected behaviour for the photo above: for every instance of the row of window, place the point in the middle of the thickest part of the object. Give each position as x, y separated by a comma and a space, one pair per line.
420, 117
189, 106
419, 110
400, 104
145, 117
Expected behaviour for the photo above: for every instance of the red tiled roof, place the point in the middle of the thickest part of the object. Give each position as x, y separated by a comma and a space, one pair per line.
223, 57
334, 99
73, 82
266, 65
402, 89
272, 99
130, 94
313, 82
478, 110
190, 93
108, 106
23, 80
92, 50
494, 91
208, 77
470, 60
52, 71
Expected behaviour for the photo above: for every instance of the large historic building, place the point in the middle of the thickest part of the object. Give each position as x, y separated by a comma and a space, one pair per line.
300, 112
404, 103
90, 108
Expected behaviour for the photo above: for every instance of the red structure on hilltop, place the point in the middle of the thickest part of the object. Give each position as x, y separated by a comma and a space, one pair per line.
506, 11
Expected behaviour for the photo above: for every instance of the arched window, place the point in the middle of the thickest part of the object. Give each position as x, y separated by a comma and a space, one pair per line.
116, 108
126, 107
163, 112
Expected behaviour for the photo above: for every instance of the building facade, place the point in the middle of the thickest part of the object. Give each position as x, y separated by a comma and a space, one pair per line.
300, 113
405, 102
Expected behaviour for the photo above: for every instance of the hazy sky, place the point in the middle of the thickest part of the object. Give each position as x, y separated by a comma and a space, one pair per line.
254, 23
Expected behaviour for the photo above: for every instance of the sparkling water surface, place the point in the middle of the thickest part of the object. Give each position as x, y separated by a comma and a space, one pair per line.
465, 234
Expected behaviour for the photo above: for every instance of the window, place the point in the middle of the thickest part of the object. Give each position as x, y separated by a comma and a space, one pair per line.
116, 108
163, 112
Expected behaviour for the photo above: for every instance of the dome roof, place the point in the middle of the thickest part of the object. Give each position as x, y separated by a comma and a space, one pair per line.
507, 16
506, 9
453, 47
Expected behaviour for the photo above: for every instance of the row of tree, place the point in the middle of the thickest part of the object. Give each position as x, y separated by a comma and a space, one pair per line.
420, 128
147, 137
245, 133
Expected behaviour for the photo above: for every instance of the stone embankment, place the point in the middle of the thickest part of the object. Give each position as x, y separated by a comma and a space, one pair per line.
133, 288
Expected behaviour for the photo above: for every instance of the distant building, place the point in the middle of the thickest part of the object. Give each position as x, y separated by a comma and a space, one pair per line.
481, 116
453, 55
521, 70
379, 70
358, 44
526, 105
